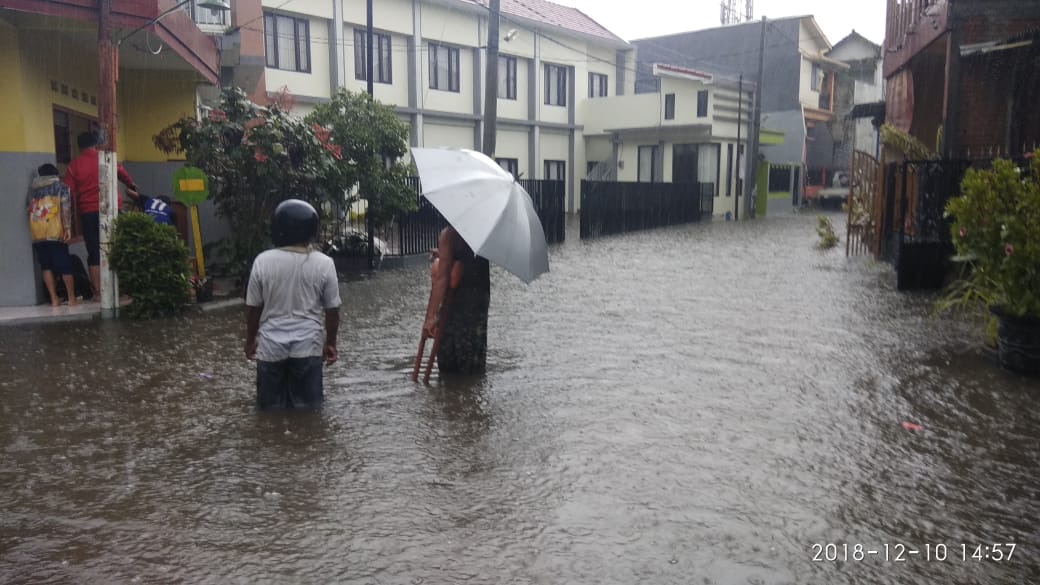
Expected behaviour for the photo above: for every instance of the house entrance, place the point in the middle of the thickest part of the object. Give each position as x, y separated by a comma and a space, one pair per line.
67, 126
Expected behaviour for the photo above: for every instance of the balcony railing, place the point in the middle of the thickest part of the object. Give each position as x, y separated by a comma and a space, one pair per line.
208, 18
903, 16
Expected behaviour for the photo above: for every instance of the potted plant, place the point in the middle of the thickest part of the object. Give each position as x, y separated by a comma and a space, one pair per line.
996, 229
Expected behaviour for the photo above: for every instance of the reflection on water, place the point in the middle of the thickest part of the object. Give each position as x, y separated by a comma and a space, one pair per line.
690, 405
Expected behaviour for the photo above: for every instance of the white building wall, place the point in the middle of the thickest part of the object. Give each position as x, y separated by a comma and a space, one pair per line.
442, 134
512, 143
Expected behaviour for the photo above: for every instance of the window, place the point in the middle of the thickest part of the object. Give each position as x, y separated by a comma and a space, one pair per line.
511, 165
740, 170
814, 80
287, 42
597, 85
729, 170
555, 85
779, 179
381, 59
702, 103
444, 67
669, 106
590, 166
506, 77
555, 170
648, 165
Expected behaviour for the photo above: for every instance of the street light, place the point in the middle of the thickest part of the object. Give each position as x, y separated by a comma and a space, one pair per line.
108, 68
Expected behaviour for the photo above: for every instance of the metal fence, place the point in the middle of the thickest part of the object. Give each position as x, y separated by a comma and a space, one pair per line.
416, 232
611, 207
915, 232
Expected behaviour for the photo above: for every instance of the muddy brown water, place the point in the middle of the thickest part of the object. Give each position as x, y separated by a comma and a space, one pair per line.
695, 405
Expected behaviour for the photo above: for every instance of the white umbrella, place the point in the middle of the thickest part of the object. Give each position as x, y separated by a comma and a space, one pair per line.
486, 206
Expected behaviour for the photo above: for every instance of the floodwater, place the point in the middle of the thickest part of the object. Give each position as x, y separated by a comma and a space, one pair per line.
697, 405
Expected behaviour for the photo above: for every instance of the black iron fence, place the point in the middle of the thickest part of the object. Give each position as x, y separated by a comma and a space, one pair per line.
416, 232
915, 232
616, 207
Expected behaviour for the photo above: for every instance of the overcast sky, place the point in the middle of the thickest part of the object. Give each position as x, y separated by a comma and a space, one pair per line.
646, 18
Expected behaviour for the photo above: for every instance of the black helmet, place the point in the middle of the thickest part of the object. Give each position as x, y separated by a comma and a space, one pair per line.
295, 222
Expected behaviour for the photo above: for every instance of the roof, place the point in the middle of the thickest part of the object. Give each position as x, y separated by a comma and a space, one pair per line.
852, 36
755, 23
664, 69
554, 15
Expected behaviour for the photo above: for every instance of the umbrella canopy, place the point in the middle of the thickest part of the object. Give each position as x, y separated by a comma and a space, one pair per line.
486, 206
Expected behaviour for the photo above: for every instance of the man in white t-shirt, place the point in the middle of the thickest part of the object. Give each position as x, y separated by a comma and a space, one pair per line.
293, 294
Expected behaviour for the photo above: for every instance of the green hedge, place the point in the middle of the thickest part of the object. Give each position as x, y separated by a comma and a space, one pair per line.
152, 264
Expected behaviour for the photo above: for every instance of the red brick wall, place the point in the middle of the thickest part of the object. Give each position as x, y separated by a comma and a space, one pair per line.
983, 106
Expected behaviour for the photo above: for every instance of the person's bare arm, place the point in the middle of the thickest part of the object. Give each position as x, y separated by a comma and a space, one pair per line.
441, 281
252, 328
331, 331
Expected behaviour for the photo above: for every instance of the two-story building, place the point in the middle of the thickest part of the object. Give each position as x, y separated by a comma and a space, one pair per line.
693, 131
429, 63
797, 87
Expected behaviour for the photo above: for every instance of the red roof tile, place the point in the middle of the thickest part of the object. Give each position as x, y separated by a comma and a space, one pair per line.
553, 14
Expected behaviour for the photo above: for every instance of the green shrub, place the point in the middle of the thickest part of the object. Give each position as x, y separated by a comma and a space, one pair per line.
824, 229
152, 264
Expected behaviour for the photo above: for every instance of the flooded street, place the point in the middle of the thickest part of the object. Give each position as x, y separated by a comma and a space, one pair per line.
697, 405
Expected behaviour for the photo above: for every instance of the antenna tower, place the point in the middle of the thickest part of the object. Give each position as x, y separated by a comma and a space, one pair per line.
729, 12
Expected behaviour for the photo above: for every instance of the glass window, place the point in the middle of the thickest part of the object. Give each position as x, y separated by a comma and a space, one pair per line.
506, 77
511, 165
669, 106
555, 170
555, 85
648, 165
380, 56
287, 42
702, 103
597, 85
444, 67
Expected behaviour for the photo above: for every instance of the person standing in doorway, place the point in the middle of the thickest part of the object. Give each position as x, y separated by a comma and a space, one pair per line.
82, 178
290, 287
50, 226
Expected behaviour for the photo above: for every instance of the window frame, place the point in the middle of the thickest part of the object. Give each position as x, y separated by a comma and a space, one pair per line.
702, 103
599, 85
815, 77
381, 42
669, 106
561, 79
509, 79
550, 163
454, 84
655, 150
273, 38
511, 166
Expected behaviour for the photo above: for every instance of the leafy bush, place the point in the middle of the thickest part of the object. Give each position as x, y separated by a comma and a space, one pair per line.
152, 264
995, 225
825, 230
256, 157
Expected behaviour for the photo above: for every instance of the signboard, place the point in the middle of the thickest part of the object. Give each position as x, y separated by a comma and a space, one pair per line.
190, 185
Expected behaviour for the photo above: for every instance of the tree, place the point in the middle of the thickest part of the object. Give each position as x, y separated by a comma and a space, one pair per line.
256, 157
375, 140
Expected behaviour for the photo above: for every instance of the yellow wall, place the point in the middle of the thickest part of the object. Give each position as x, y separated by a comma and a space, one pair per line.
44, 70
12, 122
150, 100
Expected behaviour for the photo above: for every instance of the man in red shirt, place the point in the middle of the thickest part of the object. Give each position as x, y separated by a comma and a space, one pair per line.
82, 178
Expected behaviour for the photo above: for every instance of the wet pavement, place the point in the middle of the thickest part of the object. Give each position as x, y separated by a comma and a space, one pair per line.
695, 405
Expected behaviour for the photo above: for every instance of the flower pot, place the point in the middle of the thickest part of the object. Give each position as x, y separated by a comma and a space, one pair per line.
1018, 342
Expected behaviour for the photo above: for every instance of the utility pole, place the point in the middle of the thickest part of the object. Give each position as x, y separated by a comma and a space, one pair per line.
740, 122
108, 70
491, 89
370, 86
756, 126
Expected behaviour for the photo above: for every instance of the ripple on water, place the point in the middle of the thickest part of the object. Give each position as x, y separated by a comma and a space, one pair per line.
690, 405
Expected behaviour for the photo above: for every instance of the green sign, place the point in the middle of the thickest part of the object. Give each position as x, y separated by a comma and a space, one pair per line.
190, 185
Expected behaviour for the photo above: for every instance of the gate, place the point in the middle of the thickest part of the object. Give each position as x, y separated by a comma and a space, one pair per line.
862, 231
